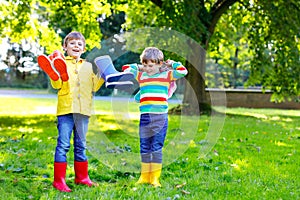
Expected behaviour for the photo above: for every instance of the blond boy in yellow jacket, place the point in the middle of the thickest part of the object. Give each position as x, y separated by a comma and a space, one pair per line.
76, 82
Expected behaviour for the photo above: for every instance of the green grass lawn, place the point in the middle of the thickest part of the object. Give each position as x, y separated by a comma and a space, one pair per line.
256, 155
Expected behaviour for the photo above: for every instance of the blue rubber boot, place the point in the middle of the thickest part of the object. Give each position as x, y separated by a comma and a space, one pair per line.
112, 77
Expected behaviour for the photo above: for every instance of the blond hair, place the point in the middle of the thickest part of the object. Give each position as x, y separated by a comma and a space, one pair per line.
74, 35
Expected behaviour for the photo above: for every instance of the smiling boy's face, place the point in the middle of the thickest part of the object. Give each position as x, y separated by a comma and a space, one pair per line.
74, 48
151, 68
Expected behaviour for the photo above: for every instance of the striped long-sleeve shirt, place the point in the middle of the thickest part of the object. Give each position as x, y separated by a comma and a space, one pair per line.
154, 88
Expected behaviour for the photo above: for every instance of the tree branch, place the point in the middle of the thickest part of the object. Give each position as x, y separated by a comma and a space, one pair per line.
157, 2
216, 12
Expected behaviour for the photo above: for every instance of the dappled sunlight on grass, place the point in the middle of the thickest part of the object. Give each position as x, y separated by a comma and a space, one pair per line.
115, 107
261, 112
253, 157
108, 137
278, 118
27, 129
112, 145
21, 130
262, 116
282, 144
240, 164
44, 110
109, 126
27, 106
3, 158
32, 106
110, 123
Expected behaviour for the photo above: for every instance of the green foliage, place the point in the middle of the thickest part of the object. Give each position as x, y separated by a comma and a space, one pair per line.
187, 17
255, 157
42, 21
275, 42
23, 20
79, 16
266, 36
229, 56
256, 37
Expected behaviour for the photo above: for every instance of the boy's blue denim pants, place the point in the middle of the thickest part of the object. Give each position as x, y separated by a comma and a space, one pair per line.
153, 130
66, 124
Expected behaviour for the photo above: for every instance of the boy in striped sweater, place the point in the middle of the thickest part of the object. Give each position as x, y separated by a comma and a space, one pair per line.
154, 86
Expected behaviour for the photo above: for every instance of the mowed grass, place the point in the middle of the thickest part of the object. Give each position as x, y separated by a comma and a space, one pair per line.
247, 154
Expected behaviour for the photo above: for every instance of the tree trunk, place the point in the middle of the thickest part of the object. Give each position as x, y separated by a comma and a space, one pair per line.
195, 101
235, 64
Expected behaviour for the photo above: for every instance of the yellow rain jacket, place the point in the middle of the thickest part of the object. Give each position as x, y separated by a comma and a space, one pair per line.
76, 94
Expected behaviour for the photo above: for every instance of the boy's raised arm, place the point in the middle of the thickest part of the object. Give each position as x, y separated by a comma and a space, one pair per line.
179, 70
133, 68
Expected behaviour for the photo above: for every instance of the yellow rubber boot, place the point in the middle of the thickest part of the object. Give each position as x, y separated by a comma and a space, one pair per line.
145, 172
155, 174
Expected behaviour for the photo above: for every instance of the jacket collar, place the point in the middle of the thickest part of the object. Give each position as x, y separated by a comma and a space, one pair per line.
80, 60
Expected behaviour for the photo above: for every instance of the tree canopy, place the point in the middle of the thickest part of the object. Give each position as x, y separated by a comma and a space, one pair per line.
45, 21
267, 31
260, 36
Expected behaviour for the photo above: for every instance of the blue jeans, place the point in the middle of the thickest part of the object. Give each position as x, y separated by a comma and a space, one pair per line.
66, 124
153, 130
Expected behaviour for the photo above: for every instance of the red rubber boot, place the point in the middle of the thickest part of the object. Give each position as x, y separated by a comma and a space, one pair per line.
81, 174
45, 64
59, 177
60, 65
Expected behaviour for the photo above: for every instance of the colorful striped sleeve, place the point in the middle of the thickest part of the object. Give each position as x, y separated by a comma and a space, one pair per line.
179, 71
133, 68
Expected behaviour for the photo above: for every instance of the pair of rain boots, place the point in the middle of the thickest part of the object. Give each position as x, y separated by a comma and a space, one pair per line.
81, 175
55, 67
150, 173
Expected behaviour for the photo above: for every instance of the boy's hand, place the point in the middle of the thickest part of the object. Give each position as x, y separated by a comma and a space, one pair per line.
56, 54
169, 63
141, 67
125, 67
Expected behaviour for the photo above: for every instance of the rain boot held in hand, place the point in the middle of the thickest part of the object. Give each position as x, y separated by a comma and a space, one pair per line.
60, 65
113, 78
46, 65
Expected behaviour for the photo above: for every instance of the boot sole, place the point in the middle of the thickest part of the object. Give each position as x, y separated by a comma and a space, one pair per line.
124, 85
62, 189
121, 76
45, 64
61, 66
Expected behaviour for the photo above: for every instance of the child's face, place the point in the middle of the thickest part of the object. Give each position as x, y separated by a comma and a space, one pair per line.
75, 48
151, 68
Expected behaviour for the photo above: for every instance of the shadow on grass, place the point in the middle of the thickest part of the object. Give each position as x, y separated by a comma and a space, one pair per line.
255, 156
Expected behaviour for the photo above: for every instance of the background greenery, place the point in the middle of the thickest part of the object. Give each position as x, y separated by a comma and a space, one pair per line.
248, 43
